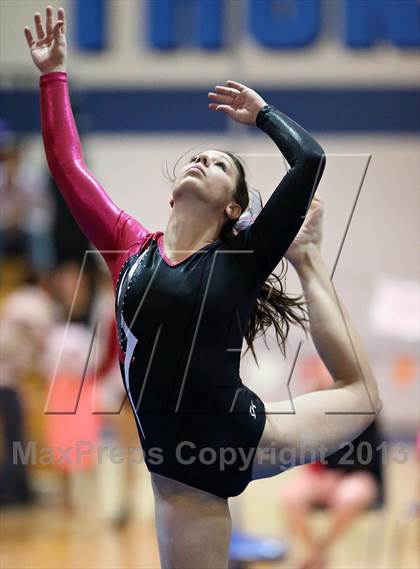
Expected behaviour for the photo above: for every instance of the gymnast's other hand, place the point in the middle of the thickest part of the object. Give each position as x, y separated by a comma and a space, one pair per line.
49, 50
310, 234
239, 102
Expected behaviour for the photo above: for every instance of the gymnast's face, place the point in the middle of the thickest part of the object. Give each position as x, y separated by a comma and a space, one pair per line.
211, 176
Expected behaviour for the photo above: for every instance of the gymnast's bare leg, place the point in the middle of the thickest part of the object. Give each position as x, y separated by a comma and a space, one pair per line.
193, 526
306, 425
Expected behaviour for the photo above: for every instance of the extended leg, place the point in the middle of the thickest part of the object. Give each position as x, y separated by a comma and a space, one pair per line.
322, 420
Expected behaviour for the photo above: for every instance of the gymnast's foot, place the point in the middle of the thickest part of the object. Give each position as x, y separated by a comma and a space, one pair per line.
310, 234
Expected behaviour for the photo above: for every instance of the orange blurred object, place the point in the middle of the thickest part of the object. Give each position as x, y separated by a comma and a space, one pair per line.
72, 438
403, 369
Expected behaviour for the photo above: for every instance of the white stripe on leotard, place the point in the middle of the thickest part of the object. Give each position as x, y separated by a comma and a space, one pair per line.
131, 345
131, 339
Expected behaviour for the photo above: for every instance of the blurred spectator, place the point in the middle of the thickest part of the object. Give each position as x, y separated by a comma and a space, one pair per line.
72, 428
27, 210
73, 287
26, 315
346, 484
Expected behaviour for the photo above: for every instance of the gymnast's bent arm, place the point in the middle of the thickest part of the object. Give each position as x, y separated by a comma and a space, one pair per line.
279, 221
282, 216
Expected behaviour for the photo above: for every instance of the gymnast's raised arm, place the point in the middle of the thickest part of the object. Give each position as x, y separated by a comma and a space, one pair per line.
100, 219
279, 221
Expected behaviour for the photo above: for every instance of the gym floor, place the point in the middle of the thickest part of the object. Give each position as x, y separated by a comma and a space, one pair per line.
49, 537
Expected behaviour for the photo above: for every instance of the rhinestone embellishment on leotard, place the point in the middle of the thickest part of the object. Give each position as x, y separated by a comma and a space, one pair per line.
130, 263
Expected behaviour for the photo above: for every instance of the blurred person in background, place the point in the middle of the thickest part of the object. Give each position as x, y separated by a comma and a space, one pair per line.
192, 514
86, 398
26, 315
73, 286
72, 428
27, 210
347, 483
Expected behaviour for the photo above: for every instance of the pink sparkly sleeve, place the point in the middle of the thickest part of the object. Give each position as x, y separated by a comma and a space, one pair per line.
108, 227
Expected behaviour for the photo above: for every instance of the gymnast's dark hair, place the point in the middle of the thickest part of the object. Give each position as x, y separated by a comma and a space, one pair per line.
274, 306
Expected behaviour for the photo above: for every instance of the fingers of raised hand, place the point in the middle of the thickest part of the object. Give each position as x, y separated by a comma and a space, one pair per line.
216, 106
224, 108
38, 26
49, 20
234, 84
221, 98
50, 27
227, 91
61, 15
28, 35
223, 95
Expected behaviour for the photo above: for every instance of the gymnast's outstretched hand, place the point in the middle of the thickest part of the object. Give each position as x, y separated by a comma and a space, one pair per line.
49, 50
310, 234
239, 102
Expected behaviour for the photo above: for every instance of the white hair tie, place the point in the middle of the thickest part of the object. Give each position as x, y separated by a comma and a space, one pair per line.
248, 217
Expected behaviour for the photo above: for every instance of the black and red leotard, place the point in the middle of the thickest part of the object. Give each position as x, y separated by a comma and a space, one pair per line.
181, 325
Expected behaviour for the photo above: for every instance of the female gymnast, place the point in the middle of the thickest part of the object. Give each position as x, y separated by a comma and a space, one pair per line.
182, 318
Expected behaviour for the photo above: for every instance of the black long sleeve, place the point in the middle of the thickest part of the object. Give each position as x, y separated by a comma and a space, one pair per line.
279, 221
